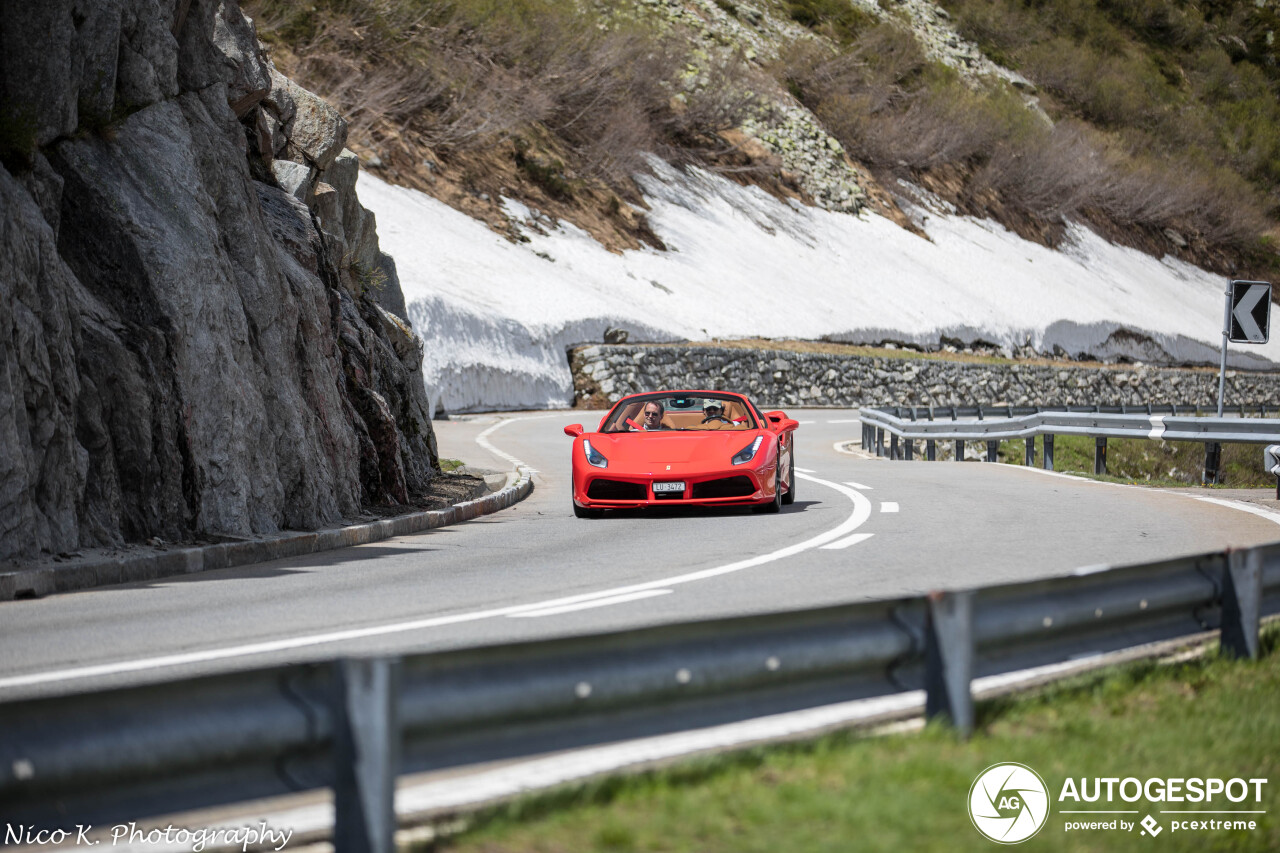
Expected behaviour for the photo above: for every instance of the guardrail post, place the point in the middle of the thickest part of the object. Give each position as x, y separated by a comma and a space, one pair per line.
1212, 462
1100, 455
948, 656
931, 453
1241, 602
893, 446
1048, 452
909, 447
1030, 459
993, 451
366, 754
959, 450
879, 441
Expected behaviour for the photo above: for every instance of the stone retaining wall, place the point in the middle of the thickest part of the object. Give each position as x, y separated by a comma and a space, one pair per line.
602, 374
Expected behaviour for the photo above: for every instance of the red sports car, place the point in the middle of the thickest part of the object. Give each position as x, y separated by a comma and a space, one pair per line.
683, 448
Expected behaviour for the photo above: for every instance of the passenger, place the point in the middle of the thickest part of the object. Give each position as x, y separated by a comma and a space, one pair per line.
713, 410
653, 411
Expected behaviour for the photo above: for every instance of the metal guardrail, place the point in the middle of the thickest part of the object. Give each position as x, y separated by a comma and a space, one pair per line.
994, 424
353, 724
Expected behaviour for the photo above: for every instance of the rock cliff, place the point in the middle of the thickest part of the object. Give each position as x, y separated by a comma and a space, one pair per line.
198, 333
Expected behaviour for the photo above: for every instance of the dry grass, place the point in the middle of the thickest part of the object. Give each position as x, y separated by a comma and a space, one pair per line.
909, 118
466, 75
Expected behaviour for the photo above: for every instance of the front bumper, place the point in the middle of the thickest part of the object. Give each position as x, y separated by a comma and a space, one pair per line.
726, 487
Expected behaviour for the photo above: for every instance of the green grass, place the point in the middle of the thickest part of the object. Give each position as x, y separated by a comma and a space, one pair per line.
447, 465
1208, 717
1196, 81
1146, 462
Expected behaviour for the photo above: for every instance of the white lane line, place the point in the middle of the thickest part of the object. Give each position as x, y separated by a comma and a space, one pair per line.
483, 440
1243, 506
806, 422
849, 421
805, 470
857, 485
888, 506
861, 512
846, 447
587, 605
1240, 505
847, 541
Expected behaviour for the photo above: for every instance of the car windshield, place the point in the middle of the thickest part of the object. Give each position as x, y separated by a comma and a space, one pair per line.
680, 412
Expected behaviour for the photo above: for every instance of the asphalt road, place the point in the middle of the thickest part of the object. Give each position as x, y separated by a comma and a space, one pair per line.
860, 528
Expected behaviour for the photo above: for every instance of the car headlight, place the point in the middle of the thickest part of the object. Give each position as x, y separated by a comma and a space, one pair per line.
594, 456
747, 453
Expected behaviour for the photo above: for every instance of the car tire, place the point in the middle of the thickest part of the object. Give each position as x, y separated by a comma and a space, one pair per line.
583, 512
790, 497
774, 505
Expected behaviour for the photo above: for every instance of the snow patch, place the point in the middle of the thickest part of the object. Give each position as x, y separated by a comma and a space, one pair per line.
499, 316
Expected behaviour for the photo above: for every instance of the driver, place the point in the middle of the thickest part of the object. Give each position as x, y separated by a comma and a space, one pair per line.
713, 410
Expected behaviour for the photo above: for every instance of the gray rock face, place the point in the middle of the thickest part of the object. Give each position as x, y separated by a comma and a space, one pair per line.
185, 349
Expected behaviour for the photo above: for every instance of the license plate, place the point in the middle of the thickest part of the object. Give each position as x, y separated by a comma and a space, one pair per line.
669, 487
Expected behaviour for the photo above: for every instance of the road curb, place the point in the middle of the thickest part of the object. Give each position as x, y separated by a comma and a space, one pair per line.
47, 580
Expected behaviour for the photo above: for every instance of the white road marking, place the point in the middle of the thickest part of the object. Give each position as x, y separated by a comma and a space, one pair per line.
888, 506
586, 605
857, 485
846, 446
1240, 505
805, 470
1243, 506
847, 541
849, 421
806, 422
483, 440
861, 512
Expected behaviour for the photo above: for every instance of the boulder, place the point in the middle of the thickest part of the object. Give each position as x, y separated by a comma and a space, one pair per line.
294, 178
246, 69
316, 130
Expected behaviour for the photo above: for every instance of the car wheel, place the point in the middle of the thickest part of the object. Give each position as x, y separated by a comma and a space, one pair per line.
583, 512
790, 497
774, 505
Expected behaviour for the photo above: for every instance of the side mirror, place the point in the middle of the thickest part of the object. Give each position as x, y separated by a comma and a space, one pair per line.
775, 418
787, 425
574, 430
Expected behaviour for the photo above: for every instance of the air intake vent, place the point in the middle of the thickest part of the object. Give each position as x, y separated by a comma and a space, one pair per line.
616, 490
726, 487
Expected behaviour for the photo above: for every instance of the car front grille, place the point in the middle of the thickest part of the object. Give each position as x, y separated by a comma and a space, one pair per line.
726, 487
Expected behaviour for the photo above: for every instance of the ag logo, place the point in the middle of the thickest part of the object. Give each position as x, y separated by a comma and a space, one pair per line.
1008, 803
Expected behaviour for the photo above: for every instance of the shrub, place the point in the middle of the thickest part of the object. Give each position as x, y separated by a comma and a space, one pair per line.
842, 20
462, 75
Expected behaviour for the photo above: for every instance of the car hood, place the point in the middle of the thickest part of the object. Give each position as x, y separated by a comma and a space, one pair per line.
659, 448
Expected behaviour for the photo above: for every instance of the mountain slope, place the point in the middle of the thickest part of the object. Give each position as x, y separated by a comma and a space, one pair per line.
533, 117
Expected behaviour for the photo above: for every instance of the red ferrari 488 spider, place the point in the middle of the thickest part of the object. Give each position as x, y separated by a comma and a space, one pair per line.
683, 448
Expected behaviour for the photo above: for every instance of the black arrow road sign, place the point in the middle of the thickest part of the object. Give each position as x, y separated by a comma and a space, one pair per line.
1250, 312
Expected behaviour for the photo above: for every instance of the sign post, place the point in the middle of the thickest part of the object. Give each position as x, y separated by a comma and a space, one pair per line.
1246, 320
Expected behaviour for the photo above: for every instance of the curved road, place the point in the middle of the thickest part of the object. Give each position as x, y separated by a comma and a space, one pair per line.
860, 528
